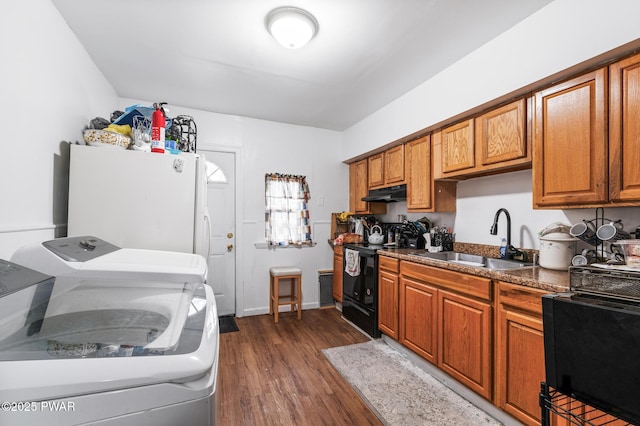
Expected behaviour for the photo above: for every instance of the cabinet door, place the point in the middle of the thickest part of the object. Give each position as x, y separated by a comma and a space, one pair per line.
337, 273
465, 339
359, 186
419, 181
500, 135
624, 130
570, 142
376, 170
388, 297
394, 165
418, 317
458, 147
520, 355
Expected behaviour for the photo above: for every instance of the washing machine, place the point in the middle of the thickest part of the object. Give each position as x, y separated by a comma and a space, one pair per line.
97, 343
90, 256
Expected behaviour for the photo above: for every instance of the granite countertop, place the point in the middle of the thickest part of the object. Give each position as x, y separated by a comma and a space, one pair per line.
532, 276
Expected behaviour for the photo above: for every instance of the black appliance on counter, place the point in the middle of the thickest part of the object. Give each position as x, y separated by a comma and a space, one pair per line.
360, 291
592, 343
408, 233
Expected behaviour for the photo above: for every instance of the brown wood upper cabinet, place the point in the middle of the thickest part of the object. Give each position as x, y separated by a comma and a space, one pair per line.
458, 147
376, 170
419, 174
577, 163
495, 141
501, 136
359, 188
423, 194
387, 168
394, 166
570, 143
624, 130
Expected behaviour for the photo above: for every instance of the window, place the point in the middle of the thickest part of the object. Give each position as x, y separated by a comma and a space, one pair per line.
214, 173
286, 214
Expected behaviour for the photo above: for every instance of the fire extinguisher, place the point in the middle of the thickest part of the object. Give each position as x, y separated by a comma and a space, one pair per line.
158, 123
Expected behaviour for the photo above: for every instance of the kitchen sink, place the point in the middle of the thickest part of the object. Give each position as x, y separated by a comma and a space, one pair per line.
502, 264
474, 260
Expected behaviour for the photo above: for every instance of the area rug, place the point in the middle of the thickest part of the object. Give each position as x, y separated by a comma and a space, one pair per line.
398, 391
227, 324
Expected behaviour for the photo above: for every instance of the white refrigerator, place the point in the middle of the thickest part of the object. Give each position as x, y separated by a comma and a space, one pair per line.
136, 199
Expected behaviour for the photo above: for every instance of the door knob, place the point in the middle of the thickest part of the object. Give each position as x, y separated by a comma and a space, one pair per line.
230, 235
230, 247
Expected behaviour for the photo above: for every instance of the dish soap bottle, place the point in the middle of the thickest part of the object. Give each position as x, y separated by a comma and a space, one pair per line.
503, 248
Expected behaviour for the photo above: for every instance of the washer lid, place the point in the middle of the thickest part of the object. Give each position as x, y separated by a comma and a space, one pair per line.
79, 335
92, 257
79, 318
152, 264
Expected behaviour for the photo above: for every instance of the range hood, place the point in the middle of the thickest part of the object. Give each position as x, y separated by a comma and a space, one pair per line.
387, 195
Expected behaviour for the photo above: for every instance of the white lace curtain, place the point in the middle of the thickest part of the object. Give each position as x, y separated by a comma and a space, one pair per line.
286, 214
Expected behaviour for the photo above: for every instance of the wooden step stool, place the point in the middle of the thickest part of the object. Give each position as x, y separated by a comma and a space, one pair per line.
294, 298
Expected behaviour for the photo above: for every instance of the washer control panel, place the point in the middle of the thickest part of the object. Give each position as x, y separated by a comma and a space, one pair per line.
79, 249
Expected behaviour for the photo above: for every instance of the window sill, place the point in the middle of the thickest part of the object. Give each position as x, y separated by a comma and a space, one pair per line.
261, 246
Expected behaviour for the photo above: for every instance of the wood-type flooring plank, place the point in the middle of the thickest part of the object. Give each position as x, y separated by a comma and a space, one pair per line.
276, 374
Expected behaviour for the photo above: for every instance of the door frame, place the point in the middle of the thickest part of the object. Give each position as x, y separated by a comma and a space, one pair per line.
239, 229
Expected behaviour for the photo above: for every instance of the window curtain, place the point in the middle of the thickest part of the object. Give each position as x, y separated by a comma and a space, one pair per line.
287, 215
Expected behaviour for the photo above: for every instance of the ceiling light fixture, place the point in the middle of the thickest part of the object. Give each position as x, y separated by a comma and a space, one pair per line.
292, 27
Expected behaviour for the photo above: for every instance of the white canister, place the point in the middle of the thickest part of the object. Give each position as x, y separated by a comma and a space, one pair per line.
556, 250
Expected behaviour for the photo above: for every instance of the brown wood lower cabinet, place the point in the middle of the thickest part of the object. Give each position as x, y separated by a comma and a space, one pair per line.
464, 333
446, 317
418, 310
388, 296
337, 273
519, 360
519, 351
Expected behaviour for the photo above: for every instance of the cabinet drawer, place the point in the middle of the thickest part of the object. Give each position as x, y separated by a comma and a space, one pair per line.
389, 264
525, 298
470, 285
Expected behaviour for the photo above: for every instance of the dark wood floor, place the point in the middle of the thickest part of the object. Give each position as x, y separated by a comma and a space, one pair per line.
276, 374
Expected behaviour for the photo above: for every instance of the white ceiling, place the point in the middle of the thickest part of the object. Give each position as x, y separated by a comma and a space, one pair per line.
216, 55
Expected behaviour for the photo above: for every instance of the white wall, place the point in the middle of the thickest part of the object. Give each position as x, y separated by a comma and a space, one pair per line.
559, 36
268, 147
50, 90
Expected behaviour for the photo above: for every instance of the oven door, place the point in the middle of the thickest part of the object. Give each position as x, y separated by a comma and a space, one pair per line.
361, 287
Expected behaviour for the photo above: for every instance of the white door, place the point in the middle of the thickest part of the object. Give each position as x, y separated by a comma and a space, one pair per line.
222, 257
